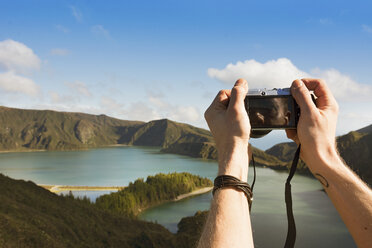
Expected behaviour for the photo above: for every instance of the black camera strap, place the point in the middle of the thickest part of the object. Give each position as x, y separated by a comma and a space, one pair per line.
291, 232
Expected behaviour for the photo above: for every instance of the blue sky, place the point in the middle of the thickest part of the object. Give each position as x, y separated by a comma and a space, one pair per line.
147, 60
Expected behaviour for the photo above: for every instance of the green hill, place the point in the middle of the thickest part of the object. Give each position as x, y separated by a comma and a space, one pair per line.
31, 216
22, 130
355, 148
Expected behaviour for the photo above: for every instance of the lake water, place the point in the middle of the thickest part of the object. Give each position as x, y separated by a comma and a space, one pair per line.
318, 224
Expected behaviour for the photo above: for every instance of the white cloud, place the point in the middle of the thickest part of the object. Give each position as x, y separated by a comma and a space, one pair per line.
17, 57
110, 104
273, 73
141, 111
59, 52
281, 73
62, 29
152, 107
100, 30
57, 98
185, 114
79, 87
367, 28
164, 109
10, 82
76, 13
342, 86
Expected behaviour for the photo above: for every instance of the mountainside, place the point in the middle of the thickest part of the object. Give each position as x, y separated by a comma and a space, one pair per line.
31, 216
50, 130
22, 130
355, 148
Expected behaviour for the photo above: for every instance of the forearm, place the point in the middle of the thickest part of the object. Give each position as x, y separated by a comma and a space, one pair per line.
229, 223
349, 194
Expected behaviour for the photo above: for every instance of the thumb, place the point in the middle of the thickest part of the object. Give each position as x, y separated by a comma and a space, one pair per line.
302, 96
238, 93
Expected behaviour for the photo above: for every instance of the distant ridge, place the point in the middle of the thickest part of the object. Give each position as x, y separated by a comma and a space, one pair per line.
25, 130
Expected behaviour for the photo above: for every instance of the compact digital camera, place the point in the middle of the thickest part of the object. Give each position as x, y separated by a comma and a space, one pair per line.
270, 109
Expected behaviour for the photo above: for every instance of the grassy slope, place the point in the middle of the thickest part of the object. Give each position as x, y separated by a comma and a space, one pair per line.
35, 129
33, 217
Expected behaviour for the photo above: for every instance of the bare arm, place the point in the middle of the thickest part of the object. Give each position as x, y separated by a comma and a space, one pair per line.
316, 133
228, 223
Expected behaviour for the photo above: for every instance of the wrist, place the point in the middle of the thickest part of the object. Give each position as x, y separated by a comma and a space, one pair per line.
233, 160
324, 159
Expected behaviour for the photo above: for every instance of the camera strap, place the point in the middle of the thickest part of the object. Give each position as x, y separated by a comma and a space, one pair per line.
291, 232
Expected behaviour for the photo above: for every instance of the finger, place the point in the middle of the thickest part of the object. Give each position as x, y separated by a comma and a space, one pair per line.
222, 99
220, 102
302, 96
321, 91
292, 134
238, 94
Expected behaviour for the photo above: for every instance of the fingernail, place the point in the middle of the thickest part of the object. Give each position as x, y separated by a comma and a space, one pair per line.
241, 82
297, 84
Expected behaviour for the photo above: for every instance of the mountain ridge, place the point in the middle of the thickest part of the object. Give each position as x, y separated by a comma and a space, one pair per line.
25, 130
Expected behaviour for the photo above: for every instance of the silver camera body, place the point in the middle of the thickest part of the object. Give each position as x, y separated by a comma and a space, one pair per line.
270, 109
269, 92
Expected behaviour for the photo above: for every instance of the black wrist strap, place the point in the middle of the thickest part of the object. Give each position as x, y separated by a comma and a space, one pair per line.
227, 181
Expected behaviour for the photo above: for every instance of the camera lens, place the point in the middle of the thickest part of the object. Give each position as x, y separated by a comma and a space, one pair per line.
263, 93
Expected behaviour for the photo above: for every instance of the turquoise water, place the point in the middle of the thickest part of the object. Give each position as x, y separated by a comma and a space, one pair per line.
317, 222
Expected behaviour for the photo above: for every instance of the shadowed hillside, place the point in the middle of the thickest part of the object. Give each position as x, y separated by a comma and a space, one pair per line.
31, 216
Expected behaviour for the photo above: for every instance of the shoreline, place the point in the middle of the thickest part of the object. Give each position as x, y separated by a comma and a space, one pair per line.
196, 192
60, 188
193, 193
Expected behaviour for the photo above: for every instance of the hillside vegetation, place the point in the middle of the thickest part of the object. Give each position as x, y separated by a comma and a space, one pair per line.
155, 190
31, 216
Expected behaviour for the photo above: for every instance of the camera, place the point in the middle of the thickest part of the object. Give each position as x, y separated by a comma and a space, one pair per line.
270, 109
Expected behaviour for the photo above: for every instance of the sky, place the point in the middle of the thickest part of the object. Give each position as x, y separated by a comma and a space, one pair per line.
147, 60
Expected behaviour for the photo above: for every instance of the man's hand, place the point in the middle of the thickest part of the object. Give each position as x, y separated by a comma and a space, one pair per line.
228, 121
229, 223
316, 133
316, 129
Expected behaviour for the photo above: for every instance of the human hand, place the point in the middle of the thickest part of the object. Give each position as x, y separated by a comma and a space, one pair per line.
316, 129
228, 121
